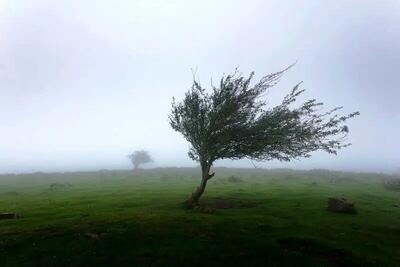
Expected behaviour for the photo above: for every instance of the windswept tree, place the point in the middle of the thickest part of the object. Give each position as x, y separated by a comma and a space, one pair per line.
140, 157
232, 121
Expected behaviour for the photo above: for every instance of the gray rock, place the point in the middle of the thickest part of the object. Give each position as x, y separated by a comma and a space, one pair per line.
341, 205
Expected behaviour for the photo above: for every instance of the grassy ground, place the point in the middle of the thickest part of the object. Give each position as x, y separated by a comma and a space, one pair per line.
249, 217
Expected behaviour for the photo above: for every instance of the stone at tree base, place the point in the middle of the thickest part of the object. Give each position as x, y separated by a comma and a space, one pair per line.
341, 205
7, 216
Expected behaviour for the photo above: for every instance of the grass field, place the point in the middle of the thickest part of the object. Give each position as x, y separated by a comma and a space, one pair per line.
249, 217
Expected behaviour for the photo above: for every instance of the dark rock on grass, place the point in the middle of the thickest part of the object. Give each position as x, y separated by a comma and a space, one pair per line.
342, 205
8, 216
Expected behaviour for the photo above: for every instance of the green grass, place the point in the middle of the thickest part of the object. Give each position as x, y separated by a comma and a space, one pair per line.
279, 218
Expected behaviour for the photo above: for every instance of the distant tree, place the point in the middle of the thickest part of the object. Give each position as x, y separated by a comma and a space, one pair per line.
233, 122
140, 157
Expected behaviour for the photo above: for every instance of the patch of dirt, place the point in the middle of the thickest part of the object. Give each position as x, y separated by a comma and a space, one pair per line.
227, 203
309, 247
204, 209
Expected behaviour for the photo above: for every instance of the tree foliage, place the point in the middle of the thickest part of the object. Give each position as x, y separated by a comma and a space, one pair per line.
140, 157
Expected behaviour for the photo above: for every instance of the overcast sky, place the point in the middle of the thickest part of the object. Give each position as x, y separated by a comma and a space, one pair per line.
84, 83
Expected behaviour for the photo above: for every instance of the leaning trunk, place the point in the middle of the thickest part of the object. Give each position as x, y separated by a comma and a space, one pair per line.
195, 197
135, 166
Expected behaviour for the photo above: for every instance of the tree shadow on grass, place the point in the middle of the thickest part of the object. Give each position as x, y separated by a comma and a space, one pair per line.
212, 205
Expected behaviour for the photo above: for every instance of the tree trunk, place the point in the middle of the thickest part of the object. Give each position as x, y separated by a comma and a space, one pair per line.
195, 197
135, 166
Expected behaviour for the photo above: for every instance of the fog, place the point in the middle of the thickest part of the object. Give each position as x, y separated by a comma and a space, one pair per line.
84, 83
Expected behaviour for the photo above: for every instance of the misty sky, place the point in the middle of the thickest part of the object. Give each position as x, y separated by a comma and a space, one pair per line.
84, 83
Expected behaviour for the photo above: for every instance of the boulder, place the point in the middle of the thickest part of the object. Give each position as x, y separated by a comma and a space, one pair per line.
343, 205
